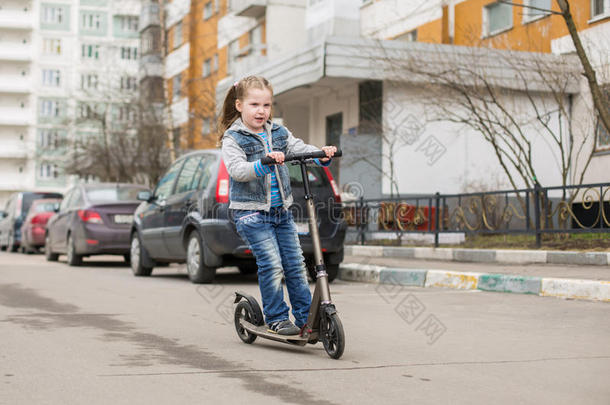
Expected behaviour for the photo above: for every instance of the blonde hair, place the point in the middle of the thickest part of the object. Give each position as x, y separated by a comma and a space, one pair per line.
238, 92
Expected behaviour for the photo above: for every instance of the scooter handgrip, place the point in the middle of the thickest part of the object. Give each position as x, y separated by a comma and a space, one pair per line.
266, 160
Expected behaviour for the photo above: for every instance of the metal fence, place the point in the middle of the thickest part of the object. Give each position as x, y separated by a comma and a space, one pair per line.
539, 210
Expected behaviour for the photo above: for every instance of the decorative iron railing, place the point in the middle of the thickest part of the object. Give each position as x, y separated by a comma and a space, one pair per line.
538, 210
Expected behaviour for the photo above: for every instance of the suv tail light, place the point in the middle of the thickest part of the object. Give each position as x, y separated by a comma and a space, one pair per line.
222, 185
40, 219
333, 184
90, 216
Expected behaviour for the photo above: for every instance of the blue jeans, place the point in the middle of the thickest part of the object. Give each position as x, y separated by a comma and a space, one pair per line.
274, 241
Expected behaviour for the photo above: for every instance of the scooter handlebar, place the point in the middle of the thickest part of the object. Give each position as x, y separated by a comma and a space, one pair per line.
266, 160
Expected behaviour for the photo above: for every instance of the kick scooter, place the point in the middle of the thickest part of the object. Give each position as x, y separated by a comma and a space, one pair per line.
323, 322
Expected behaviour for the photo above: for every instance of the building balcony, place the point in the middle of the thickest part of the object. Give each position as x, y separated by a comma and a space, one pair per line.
13, 151
16, 116
177, 61
151, 65
149, 15
16, 19
15, 84
249, 8
15, 52
179, 113
176, 11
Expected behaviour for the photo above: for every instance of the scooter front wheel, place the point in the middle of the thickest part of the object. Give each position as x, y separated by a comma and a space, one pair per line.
243, 310
332, 335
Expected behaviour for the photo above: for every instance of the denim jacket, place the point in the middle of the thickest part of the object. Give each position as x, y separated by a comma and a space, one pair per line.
241, 149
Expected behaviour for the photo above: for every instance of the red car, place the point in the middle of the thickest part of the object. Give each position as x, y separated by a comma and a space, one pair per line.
35, 224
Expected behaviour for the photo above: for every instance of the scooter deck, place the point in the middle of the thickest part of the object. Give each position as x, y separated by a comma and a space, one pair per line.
263, 332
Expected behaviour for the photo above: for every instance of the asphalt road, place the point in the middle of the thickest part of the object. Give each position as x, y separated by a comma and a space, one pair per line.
96, 334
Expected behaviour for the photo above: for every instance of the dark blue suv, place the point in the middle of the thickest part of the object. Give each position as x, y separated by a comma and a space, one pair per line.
186, 220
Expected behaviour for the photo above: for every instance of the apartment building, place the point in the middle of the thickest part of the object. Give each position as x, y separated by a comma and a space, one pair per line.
332, 80
61, 60
17, 100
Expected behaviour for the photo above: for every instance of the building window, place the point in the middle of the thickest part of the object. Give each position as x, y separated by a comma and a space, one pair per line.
127, 23
176, 87
86, 111
603, 136
52, 15
207, 67
410, 36
51, 46
48, 139
215, 66
178, 35
49, 108
600, 8
88, 81
91, 21
129, 53
497, 17
48, 171
89, 51
129, 83
208, 10
530, 14
51, 77
126, 113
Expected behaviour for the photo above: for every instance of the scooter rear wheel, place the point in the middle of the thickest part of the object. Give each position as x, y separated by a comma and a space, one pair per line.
332, 335
243, 310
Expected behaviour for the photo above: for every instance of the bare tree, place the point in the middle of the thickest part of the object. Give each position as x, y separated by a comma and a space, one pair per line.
119, 136
601, 102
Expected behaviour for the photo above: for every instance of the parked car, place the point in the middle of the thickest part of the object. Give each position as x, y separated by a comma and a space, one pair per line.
13, 215
34, 226
93, 219
186, 219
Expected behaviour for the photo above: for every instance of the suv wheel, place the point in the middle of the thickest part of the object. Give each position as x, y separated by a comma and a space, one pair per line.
197, 270
73, 258
48, 253
137, 256
251, 268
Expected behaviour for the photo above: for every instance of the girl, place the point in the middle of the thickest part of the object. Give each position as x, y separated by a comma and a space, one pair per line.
260, 196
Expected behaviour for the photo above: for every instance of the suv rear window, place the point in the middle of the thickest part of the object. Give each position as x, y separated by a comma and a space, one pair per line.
317, 177
114, 194
28, 198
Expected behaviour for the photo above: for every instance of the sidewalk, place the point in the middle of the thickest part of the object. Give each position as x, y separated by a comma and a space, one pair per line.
393, 266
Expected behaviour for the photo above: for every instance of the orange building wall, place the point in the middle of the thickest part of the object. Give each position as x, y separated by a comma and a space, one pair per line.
535, 36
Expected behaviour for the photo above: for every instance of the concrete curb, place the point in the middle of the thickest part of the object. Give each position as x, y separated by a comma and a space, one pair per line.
508, 283
482, 255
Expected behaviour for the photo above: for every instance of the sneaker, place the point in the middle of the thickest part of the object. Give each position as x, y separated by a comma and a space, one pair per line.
285, 327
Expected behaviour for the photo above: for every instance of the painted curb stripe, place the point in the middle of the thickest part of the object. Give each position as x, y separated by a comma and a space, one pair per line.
509, 283
545, 287
413, 277
576, 289
452, 279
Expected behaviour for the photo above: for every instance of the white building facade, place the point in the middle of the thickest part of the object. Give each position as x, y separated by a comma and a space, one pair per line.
58, 59
323, 87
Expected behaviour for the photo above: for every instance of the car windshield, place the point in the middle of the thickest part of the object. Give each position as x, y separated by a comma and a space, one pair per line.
45, 207
113, 194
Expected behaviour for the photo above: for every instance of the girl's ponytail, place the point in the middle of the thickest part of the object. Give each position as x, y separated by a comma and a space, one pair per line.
229, 113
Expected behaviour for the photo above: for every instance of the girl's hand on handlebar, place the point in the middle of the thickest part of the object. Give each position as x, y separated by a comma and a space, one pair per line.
277, 156
330, 151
